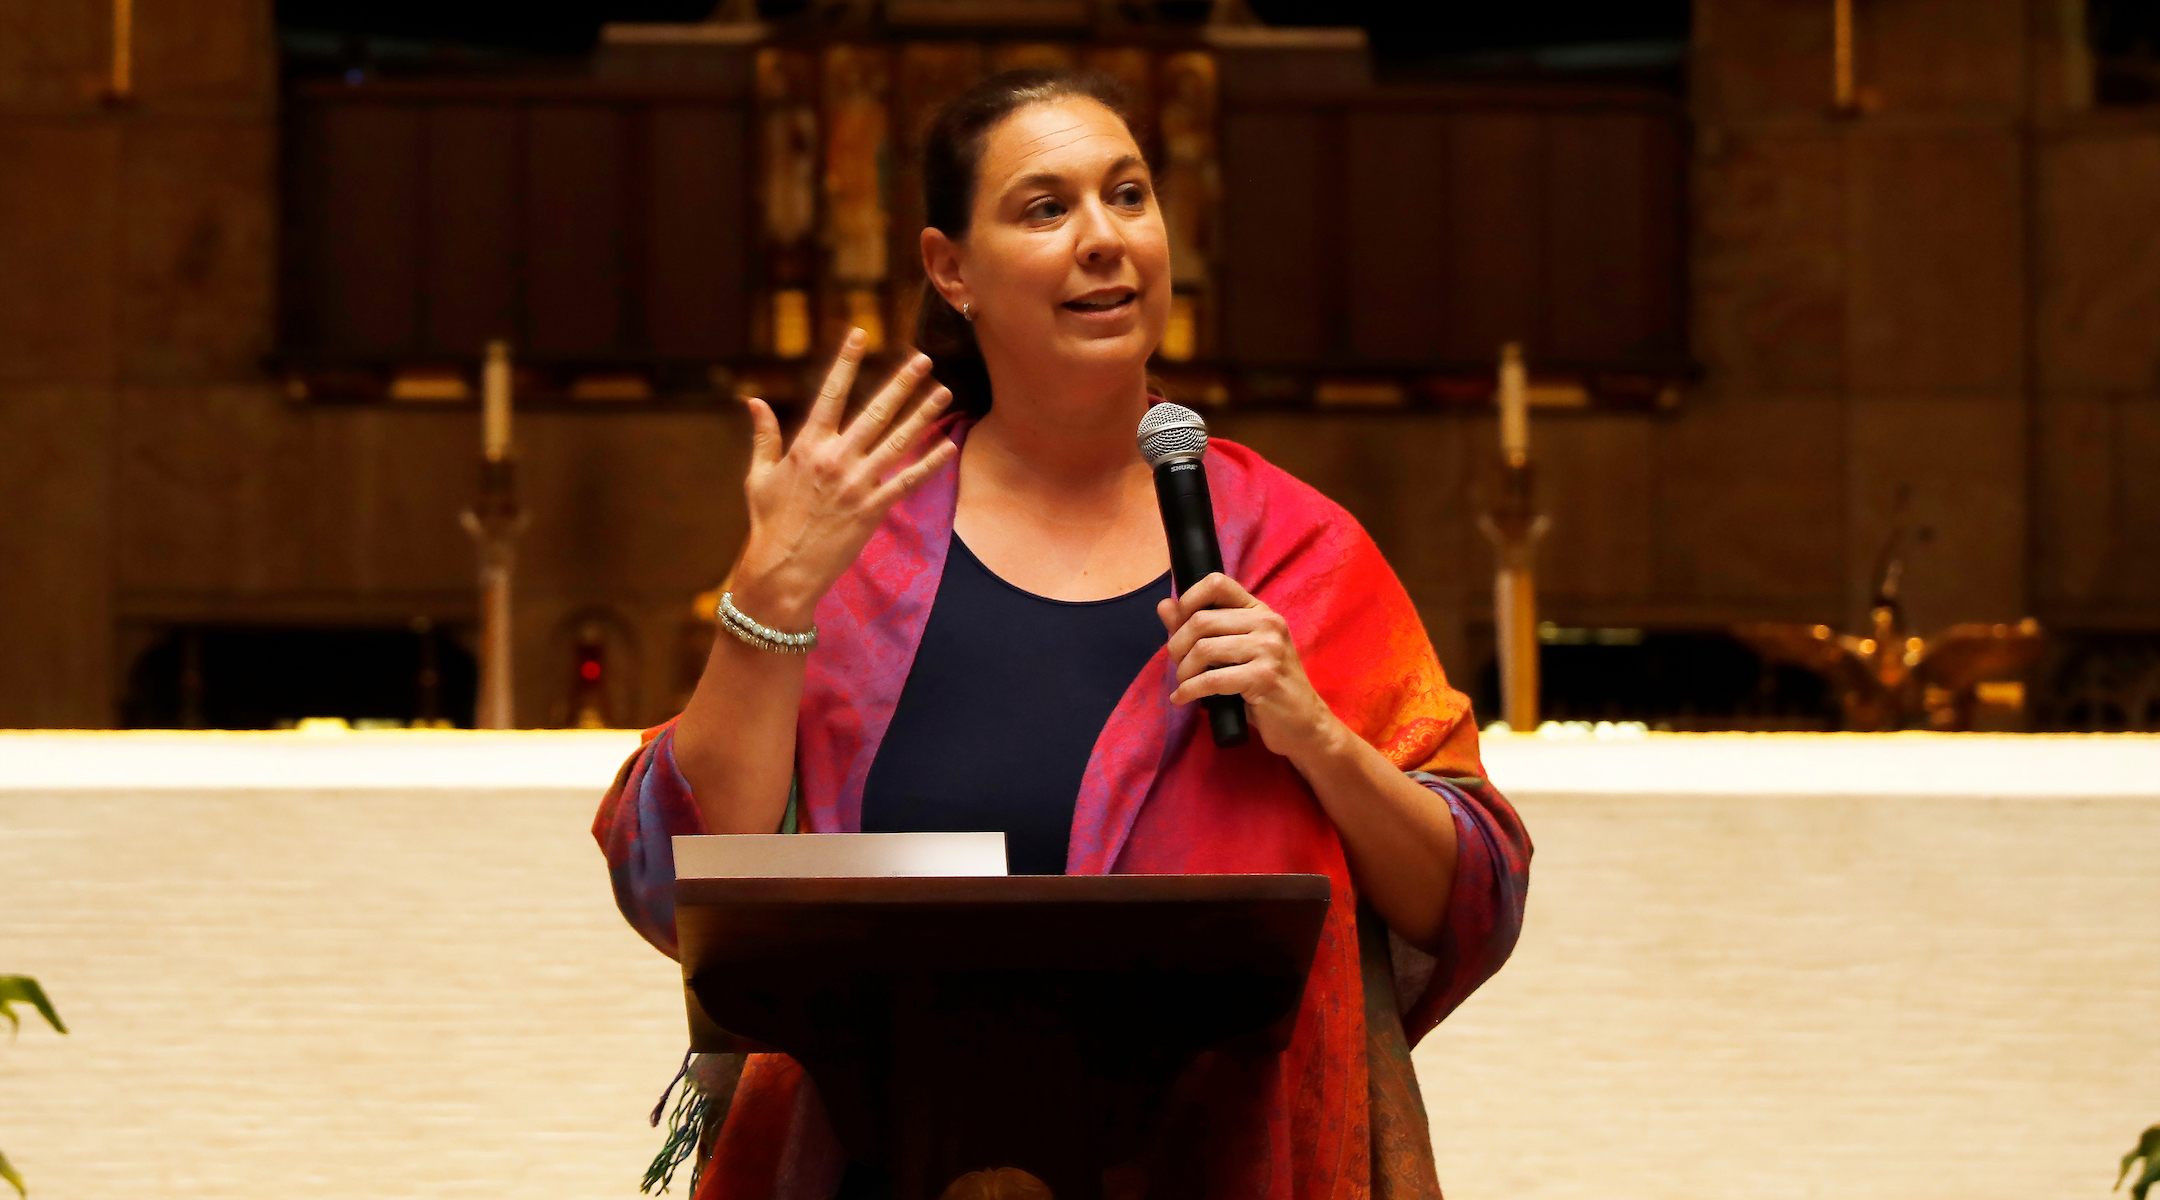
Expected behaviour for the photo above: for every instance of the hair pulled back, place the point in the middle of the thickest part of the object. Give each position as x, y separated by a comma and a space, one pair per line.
952, 158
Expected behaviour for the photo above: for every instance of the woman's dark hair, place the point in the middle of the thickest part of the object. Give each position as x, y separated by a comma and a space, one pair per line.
952, 157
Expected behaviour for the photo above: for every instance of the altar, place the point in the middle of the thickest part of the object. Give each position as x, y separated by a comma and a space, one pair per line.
356, 964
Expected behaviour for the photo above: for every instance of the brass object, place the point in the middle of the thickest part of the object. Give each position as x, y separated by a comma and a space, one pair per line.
1889, 678
856, 82
495, 521
1514, 527
1842, 94
1848, 96
1003, 1183
120, 85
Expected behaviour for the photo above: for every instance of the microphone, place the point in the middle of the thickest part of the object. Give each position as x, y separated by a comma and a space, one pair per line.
1172, 439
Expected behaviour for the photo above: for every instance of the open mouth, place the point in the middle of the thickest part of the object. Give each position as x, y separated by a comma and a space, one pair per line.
1104, 301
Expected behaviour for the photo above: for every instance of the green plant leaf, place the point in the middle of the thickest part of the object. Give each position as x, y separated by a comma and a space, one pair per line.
2152, 1176
21, 989
2148, 1148
8, 1173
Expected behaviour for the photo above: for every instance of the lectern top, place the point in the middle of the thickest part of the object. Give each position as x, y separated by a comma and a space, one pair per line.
1006, 889
1264, 924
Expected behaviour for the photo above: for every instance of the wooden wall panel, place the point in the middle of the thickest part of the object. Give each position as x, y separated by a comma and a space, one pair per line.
1663, 266
1271, 268
1938, 286
1395, 213
1495, 235
698, 284
2097, 279
596, 228
574, 229
472, 249
370, 228
1597, 191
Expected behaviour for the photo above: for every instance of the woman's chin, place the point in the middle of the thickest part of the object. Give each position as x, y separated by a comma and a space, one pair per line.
1106, 348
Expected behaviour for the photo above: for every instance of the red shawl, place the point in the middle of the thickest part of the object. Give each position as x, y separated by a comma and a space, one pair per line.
1337, 1113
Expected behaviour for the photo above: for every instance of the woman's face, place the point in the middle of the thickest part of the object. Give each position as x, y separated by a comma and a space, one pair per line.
1066, 252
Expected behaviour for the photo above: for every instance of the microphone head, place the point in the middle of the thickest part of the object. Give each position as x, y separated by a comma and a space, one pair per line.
1170, 432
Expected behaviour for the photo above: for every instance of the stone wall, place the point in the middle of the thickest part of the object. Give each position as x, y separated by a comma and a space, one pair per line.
1953, 297
136, 256
1953, 292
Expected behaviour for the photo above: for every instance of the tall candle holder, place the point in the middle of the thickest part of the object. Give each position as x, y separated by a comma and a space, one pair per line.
1514, 527
495, 521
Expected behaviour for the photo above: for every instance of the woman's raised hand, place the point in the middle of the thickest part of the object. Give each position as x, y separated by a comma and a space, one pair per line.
815, 503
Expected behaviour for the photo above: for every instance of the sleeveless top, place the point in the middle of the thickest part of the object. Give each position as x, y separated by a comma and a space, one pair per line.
1001, 710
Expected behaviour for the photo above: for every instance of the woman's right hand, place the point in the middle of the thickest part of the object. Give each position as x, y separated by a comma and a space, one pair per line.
814, 505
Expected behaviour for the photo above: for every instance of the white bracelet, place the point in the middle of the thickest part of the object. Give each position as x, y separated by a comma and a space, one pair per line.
764, 637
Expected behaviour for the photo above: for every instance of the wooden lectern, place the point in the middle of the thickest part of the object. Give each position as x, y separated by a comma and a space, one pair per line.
1021, 1021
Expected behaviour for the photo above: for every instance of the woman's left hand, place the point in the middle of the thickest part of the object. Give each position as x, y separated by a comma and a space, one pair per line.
1226, 642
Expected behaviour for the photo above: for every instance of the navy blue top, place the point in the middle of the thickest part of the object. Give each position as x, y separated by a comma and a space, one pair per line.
1001, 709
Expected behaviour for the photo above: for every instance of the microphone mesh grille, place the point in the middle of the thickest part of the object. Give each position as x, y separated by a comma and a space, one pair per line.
1171, 431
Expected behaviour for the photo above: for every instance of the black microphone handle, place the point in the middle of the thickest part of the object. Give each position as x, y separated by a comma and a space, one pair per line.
1188, 518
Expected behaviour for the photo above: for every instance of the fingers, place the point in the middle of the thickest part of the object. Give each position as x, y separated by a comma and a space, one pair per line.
903, 437
1241, 648
1242, 679
765, 444
831, 400
1214, 591
1214, 623
871, 422
1231, 650
905, 481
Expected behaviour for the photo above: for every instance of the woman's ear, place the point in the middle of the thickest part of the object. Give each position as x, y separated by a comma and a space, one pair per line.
941, 264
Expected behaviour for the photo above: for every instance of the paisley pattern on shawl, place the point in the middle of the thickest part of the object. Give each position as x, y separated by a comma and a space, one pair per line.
1336, 1114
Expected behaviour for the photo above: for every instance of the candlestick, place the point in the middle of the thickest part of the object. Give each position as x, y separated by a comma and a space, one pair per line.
1515, 528
495, 521
495, 402
1843, 96
1514, 406
122, 83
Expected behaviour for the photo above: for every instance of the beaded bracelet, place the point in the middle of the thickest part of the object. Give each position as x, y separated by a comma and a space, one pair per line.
762, 636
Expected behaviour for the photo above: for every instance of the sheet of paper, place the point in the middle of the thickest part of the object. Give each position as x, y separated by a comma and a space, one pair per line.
838, 855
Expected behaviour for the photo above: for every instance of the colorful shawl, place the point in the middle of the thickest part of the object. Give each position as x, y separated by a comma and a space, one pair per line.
1338, 1113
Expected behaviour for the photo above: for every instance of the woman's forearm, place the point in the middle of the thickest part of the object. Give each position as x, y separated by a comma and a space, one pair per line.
735, 740
1398, 836
813, 505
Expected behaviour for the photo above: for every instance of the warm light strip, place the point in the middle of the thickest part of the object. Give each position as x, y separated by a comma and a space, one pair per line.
1973, 766
1842, 81
163, 760
1968, 766
123, 50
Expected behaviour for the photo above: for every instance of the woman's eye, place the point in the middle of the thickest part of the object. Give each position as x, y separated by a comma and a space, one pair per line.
1132, 195
1045, 210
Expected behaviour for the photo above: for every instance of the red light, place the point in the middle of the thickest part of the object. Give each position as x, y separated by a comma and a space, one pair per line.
590, 669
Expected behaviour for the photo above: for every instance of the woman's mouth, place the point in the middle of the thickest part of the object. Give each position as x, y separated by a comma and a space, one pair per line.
1110, 300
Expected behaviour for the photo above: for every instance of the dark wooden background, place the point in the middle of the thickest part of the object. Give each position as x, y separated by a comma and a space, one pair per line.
602, 224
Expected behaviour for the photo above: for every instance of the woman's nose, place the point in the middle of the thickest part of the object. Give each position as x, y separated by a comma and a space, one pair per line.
1100, 239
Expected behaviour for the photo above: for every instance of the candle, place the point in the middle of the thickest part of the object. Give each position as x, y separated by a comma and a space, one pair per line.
495, 403
1514, 406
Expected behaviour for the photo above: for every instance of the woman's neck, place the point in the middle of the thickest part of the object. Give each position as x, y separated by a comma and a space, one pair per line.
1071, 439
1055, 498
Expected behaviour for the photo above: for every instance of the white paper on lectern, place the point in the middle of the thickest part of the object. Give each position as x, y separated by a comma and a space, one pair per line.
838, 855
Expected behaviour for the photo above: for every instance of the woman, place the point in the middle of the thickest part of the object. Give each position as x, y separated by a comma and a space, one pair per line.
997, 648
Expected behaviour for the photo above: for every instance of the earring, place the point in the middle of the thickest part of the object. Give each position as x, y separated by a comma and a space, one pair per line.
967, 311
